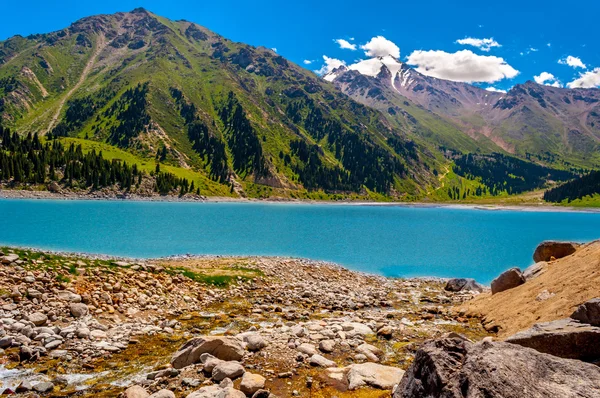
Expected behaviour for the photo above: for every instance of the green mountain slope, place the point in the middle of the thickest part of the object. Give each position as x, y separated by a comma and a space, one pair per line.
178, 94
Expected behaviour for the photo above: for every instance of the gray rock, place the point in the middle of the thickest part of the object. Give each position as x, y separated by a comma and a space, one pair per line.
255, 342
327, 345
546, 250
457, 368
44, 386
588, 312
224, 348
6, 342
307, 349
9, 258
463, 284
38, 319
534, 270
25, 386
319, 360
227, 369
251, 383
79, 310
69, 296
373, 375
507, 280
564, 338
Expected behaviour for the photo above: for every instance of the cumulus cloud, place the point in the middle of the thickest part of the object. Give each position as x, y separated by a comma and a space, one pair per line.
482, 44
547, 79
307, 61
329, 65
495, 90
573, 62
380, 47
586, 80
345, 44
461, 66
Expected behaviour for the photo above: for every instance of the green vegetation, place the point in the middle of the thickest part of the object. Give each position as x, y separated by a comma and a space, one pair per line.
583, 189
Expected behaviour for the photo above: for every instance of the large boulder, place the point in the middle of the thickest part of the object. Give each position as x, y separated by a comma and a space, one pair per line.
366, 374
507, 280
457, 368
463, 284
373, 375
564, 338
546, 250
588, 312
223, 348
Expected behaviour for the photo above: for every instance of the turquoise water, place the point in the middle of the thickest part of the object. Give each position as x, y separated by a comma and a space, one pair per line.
391, 241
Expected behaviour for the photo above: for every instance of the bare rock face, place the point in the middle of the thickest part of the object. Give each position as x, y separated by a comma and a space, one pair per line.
223, 348
588, 312
456, 368
564, 338
507, 280
534, 270
546, 250
463, 284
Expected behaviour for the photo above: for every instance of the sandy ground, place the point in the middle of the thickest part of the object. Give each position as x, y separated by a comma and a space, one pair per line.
569, 282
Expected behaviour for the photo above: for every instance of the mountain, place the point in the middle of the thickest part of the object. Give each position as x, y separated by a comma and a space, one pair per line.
554, 126
235, 119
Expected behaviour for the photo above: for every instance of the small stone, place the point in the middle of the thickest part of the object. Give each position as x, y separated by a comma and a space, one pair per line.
38, 319
79, 310
251, 383
44, 386
229, 369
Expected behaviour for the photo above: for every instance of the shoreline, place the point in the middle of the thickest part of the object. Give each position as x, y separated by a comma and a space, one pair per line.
47, 195
212, 257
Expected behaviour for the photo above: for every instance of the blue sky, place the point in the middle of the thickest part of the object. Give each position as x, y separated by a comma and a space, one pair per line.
529, 37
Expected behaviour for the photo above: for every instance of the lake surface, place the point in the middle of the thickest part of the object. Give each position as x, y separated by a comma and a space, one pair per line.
387, 240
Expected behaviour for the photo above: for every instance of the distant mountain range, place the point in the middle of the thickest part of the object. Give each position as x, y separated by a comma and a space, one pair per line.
245, 121
556, 126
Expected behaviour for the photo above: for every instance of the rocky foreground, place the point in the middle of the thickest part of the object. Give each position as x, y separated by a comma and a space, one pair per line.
255, 327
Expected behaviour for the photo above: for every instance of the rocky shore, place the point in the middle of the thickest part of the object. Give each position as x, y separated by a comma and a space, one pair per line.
206, 327
98, 325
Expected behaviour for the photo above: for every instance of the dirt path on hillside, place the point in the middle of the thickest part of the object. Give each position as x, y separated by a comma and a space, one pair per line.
100, 44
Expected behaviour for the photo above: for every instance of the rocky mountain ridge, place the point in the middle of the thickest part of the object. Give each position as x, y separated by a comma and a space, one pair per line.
543, 123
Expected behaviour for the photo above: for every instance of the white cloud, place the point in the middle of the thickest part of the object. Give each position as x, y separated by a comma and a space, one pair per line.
586, 80
461, 66
495, 90
329, 65
274, 49
547, 79
345, 44
482, 44
307, 61
380, 47
573, 62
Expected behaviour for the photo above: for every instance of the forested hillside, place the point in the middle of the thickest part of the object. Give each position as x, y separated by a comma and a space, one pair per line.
245, 119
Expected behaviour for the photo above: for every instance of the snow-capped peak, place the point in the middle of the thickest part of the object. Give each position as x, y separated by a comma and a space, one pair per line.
372, 67
331, 76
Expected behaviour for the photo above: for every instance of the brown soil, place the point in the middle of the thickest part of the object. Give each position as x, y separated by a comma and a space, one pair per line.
573, 280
